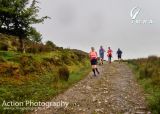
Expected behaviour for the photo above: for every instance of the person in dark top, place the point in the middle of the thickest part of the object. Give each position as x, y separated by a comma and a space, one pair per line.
119, 54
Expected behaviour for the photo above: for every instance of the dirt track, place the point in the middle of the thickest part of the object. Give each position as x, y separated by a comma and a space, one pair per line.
114, 91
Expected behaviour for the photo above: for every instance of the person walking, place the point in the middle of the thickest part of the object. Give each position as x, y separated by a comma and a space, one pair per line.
93, 59
119, 54
109, 54
101, 54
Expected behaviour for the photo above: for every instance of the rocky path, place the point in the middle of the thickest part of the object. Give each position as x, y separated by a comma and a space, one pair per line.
114, 91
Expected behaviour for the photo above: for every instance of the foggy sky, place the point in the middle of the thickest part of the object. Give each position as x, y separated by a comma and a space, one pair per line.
82, 24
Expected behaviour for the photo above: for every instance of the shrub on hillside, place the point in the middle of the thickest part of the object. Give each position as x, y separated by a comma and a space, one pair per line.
66, 59
80, 54
2, 60
63, 73
27, 65
148, 68
146, 72
156, 77
152, 58
142, 73
149, 75
50, 46
33, 49
14, 43
3, 46
60, 48
9, 69
55, 61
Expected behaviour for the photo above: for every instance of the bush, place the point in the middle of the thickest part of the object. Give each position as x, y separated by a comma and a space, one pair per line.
149, 76
156, 77
50, 46
27, 65
66, 59
9, 69
63, 73
149, 71
15, 43
36, 48
2, 59
141, 73
54, 61
80, 54
152, 58
3, 46
32, 49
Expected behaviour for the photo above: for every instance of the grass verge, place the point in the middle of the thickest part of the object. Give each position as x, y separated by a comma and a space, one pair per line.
147, 81
42, 88
25, 77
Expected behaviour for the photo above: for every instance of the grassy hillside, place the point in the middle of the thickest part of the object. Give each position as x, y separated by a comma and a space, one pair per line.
8, 42
37, 76
148, 75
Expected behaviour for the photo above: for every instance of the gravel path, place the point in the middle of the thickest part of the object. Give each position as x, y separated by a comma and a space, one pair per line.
114, 91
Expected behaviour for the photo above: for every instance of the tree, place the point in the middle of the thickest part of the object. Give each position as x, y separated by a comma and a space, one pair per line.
35, 36
17, 18
50, 45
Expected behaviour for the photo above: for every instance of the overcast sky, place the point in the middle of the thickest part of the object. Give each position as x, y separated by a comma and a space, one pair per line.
81, 24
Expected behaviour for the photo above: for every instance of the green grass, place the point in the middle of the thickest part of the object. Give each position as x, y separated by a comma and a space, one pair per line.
37, 86
153, 95
148, 74
42, 89
8, 55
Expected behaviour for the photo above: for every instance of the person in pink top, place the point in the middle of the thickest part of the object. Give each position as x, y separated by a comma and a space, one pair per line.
109, 54
93, 59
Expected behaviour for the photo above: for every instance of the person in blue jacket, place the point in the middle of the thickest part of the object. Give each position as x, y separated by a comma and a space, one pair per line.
101, 54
